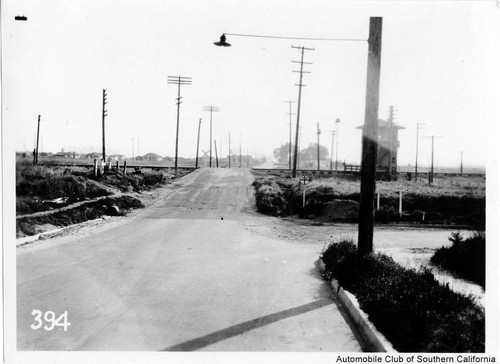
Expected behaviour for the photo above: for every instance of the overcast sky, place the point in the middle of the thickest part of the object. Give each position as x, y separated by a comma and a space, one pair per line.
439, 67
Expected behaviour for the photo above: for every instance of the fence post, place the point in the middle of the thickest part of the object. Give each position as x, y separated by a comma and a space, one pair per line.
378, 200
400, 203
95, 167
124, 167
117, 166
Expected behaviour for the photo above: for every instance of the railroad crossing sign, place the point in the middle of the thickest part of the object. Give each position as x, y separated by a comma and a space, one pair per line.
304, 179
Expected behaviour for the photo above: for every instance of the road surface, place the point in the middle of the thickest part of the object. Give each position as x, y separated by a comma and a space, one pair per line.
198, 270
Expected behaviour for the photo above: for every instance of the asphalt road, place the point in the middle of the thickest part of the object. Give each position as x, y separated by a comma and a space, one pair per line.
198, 270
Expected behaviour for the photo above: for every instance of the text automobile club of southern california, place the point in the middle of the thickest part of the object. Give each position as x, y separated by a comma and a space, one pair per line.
416, 359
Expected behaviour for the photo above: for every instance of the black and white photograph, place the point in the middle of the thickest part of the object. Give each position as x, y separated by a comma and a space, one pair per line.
250, 181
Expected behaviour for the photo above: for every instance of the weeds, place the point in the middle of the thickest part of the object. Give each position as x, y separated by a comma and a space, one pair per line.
465, 258
414, 311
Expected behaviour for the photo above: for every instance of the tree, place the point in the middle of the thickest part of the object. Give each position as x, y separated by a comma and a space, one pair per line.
281, 153
311, 153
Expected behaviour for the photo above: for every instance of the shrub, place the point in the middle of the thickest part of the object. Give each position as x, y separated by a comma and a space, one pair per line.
465, 258
414, 311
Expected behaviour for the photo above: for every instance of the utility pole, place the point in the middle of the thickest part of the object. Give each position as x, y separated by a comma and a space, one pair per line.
461, 162
431, 175
229, 150
138, 153
318, 132
35, 158
331, 151
211, 109
216, 158
337, 121
369, 144
198, 143
290, 133
302, 49
391, 136
104, 114
178, 80
133, 146
240, 150
416, 157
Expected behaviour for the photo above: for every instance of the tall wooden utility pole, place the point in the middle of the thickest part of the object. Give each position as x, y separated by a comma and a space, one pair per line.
216, 158
391, 140
318, 132
337, 121
104, 114
461, 162
178, 80
229, 150
198, 143
211, 109
369, 143
416, 156
35, 157
302, 49
289, 113
431, 175
331, 151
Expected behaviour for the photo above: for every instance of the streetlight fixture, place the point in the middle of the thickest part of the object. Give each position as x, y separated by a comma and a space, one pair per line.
369, 141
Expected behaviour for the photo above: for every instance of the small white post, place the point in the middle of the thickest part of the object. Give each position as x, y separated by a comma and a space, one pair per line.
304, 197
378, 200
400, 203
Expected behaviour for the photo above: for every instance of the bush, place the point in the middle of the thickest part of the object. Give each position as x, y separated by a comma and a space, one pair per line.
465, 258
270, 199
414, 311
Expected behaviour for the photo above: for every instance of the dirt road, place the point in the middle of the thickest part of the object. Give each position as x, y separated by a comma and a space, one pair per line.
197, 270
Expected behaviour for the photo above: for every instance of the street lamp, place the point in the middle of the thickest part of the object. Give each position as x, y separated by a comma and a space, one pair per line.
369, 141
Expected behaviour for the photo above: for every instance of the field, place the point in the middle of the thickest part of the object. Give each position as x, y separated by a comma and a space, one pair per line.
450, 200
53, 196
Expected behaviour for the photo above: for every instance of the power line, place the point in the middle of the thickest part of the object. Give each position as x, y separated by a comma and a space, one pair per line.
298, 38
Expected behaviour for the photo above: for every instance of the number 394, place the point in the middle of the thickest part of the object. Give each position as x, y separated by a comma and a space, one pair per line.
50, 320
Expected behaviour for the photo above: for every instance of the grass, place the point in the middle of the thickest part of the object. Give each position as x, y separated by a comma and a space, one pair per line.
410, 308
466, 257
453, 200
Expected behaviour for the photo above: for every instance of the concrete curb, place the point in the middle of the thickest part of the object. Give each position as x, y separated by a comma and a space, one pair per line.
375, 339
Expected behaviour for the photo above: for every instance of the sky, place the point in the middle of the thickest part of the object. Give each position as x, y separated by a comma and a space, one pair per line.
439, 67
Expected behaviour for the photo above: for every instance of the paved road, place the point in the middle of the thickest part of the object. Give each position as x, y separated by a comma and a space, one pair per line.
199, 270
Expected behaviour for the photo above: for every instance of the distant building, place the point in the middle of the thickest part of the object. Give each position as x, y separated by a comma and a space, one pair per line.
152, 157
93, 155
387, 145
116, 157
67, 155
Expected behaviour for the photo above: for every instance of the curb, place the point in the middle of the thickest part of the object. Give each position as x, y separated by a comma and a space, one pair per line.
374, 339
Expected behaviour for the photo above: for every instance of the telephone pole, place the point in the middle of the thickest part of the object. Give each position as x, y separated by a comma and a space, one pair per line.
35, 158
229, 150
431, 175
331, 151
198, 143
416, 157
211, 109
178, 80
302, 49
318, 132
369, 144
337, 121
216, 158
391, 140
289, 113
461, 162
104, 114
